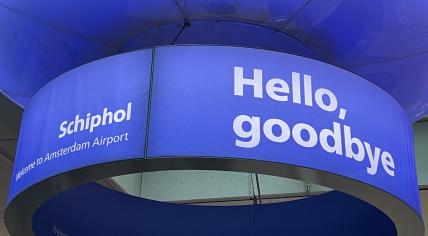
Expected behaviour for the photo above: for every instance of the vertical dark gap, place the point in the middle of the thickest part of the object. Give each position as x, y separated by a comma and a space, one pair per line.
253, 190
307, 188
149, 101
141, 185
258, 188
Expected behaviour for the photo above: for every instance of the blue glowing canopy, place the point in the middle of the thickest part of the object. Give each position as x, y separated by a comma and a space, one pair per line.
383, 41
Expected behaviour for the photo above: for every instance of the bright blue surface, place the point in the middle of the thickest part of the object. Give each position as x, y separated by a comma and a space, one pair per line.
88, 89
384, 41
193, 109
114, 213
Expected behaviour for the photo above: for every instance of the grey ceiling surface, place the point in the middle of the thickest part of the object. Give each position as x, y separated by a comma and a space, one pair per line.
10, 117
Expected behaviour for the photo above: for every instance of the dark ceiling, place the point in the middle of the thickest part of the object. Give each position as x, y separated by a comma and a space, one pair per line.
10, 118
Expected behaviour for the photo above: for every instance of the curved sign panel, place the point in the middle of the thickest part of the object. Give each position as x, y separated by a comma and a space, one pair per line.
90, 115
246, 103
222, 102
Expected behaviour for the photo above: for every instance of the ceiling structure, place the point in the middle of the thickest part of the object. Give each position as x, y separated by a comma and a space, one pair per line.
383, 41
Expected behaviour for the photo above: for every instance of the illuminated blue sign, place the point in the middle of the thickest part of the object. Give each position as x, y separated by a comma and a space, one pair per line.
223, 102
